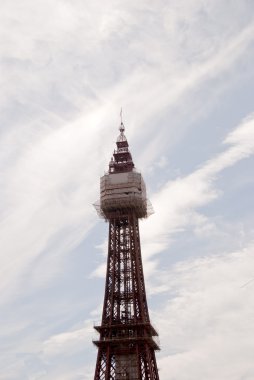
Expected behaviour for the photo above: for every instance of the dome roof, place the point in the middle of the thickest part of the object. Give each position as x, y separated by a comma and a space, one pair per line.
121, 137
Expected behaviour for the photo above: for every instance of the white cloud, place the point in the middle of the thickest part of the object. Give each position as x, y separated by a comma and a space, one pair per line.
208, 329
176, 203
66, 342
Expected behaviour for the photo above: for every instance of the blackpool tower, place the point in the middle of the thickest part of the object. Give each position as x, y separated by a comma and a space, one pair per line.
127, 339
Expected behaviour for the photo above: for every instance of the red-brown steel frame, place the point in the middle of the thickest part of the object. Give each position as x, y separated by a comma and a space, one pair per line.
126, 347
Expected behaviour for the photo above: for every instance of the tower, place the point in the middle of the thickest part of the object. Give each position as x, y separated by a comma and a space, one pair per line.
126, 344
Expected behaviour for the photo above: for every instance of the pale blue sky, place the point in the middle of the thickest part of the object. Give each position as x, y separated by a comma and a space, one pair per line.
183, 73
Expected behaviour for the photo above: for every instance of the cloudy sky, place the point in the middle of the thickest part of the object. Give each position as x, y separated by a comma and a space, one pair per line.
183, 73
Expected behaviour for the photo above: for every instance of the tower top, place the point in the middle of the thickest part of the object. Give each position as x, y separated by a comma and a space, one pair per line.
122, 127
122, 136
121, 160
122, 188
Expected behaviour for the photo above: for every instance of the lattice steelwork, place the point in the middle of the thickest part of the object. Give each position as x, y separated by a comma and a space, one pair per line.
126, 346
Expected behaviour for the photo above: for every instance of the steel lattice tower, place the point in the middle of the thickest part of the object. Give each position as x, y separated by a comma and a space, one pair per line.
126, 345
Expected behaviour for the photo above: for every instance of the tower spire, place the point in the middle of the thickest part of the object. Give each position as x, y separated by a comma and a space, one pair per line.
121, 127
122, 159
121, 116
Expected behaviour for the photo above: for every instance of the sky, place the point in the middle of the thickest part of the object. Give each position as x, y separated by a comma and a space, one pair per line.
183, 73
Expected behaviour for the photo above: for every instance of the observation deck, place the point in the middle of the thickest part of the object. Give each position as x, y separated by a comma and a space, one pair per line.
123, 192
